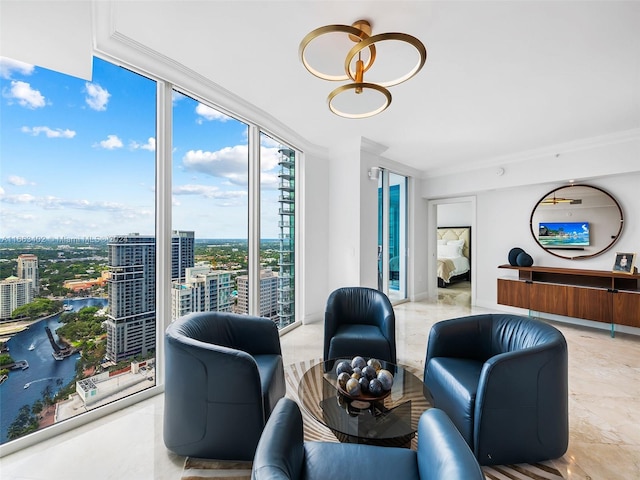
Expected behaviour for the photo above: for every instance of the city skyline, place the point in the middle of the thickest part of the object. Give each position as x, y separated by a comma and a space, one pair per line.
78, 159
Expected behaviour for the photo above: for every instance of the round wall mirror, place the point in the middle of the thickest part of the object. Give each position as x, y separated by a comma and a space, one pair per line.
576, 221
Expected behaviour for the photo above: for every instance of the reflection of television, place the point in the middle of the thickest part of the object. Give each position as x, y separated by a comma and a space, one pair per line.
563, 234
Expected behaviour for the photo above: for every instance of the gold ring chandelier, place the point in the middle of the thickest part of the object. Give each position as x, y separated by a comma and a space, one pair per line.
355, 67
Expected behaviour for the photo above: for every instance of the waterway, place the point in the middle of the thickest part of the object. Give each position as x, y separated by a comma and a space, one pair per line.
33, 346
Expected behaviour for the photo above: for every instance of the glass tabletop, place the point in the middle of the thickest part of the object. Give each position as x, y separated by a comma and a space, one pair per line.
390, 421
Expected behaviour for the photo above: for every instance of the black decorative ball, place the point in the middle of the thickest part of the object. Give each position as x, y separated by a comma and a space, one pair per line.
513, 255
375, 387
524, 260
344, 367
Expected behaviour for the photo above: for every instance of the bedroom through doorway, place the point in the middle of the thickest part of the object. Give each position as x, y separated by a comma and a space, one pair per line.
454, 241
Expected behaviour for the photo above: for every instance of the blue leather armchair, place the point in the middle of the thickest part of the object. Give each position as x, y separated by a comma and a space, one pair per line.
223, 377
359, 321
502, 379
282, 454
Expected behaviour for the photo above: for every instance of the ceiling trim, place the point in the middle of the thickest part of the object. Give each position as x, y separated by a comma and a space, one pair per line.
543, 152
128, 52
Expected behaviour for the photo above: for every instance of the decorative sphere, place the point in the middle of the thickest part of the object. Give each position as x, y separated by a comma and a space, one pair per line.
364, 385
375, 363
375, 387
343, 378
524, 259
513, 255
369, 372
353, 387
358, 362
344, 366
386, 379
357, 373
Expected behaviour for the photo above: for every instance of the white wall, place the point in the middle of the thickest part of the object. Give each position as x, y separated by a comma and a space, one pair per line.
503, 212
353, 218
454, 214
313, 223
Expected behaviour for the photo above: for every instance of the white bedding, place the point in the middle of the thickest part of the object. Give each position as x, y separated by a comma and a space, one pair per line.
461, 265
453, 251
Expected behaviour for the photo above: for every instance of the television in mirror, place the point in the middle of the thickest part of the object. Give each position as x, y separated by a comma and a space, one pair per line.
563, 234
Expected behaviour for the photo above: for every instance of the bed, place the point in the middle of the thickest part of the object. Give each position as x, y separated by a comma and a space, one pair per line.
454, 255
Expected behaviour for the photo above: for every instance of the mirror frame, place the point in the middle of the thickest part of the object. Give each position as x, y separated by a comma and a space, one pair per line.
577, 257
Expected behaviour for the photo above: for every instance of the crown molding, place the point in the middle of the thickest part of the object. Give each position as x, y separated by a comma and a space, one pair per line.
543, 152
125, 51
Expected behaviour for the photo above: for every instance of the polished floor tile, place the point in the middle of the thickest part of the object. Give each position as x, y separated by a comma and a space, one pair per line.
604, 389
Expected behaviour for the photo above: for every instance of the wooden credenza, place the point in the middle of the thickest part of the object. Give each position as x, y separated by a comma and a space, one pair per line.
597, 295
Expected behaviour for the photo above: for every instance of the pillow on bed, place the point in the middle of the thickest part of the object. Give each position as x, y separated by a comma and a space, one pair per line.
449, 251
456, 242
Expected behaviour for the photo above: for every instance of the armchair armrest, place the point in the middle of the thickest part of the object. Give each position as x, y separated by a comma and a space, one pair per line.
280, 451
509, 405
442, 452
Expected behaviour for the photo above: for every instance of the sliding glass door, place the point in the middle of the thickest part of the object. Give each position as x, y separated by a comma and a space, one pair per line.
392, 235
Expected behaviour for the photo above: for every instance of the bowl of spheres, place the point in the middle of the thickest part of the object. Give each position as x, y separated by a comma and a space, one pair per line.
363, 380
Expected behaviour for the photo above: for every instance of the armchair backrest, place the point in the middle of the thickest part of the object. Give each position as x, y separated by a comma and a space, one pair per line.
251, 334
481, 337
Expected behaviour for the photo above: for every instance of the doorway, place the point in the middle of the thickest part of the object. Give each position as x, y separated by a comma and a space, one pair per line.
451, 231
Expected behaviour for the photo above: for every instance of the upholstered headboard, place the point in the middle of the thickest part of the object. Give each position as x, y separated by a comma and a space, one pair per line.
457, 233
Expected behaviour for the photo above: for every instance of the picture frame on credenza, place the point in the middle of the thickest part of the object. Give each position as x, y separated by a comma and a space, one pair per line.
624, 263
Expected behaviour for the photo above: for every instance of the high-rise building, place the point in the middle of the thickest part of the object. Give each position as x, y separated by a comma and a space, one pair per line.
268, 294
14, 292
182, 253
286, 263
131, 317
204, 290
28, 270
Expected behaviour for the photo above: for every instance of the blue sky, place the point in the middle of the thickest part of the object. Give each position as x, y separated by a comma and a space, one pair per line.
77, 158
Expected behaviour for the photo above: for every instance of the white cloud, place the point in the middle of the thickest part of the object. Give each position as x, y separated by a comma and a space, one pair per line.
208, 191
97, 97
25, 95
229, 163
49, 132
111, 143
209, 113
269, 158
8, 66
150, 145
21, 198
18, 181
51, 202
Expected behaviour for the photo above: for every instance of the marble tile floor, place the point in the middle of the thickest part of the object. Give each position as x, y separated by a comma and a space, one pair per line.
604, 386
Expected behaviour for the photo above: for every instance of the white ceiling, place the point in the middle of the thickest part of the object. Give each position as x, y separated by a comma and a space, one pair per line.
502, 78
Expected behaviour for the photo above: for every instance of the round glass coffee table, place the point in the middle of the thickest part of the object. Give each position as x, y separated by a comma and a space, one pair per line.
390, 421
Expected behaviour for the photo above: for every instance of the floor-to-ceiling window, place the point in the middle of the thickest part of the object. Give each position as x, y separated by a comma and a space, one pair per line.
210, 191
79, 259
77, 263
392, 235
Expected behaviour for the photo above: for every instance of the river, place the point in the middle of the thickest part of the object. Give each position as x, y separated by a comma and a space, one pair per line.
43, 369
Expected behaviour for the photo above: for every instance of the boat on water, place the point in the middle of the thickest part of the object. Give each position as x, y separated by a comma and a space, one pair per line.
3, 378
32, 346
67, 307
27, 385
